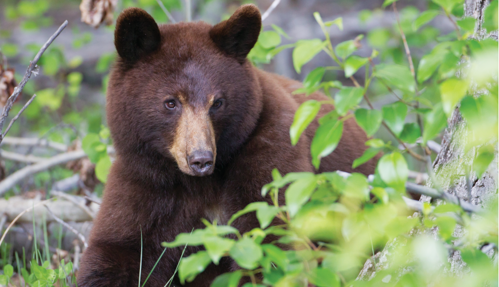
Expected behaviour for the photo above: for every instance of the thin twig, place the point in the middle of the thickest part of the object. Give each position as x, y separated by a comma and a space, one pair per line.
168, 14
21, 174
18, 114
32, 66
82, 238
70, 198
270, 9
406, 46
455, 25
412, 153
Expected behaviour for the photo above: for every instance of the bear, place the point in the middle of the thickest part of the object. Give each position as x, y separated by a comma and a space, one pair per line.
197, 131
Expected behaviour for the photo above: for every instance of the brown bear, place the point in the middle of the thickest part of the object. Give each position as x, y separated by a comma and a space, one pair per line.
197, 131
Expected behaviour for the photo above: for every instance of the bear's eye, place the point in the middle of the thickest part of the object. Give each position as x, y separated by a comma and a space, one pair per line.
170, 104
217, 104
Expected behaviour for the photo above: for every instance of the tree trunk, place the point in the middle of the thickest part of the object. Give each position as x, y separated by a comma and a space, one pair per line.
462, 180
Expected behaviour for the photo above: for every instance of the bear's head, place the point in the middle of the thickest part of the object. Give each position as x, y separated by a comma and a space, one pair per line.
183, 94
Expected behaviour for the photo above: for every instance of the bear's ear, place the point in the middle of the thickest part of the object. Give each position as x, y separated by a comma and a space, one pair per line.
136, 34
237, 35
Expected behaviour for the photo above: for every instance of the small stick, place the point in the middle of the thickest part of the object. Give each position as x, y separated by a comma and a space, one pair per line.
27, 75
82, 238
18, 114
406, 46
168, 14
188, 12
70, 198
271, 8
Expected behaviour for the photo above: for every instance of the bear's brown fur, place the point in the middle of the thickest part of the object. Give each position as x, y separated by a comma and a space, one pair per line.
175, 90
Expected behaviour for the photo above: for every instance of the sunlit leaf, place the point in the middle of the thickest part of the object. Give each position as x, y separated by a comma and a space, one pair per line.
305, 50
369, 120
299, 192
396, 75
393, 170
230, 279
347, 98
394, 116
246, 253
410, 133
303, 117
191, 266
325, 141
366, 156
424, 18
452, 91
353, 64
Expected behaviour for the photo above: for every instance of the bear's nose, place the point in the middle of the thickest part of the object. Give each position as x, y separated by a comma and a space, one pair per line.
201, 162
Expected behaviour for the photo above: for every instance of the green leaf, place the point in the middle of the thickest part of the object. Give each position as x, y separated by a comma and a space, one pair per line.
323, 277
217, 246
345, 49
353, 64
305, 50
192, 239
303, 117
3, 280
8, 270
325, 141
375, 143
396, 75
230, 279
479, 113
280, 31
254, 206
490, 17
366, 156
314, 78
393, 170
434, 122
429, 64
448, 207
191, 266
381, 194
266, 214
276, 255
369, 120
299, 192
88, 144
394, 116
452, 91
483, 159
269, 39
347, 98
388, 2
447, 4
102, 168
424, 18
446, 226
357, 186
75, 78
467, 24
338, 22
246, 253
410, 133
9, 50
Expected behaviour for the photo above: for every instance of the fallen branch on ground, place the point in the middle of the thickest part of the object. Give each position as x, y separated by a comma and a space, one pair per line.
21, 174
21, 157
82, 238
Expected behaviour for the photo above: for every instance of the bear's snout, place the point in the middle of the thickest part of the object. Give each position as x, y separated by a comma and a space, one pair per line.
201, 162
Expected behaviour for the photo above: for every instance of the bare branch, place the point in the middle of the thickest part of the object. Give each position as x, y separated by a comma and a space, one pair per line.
27, 75
20, 157
73, 200
271, 8
428, 191
188, 12
406, 46
34, 142
168, 14
21, 174
82, 238
18, 114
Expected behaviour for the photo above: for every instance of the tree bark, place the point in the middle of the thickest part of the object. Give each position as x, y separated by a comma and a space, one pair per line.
453, 168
